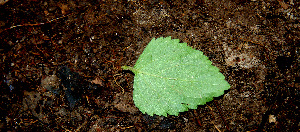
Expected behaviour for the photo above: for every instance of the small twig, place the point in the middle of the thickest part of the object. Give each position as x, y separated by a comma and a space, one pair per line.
34, 24
118, 83
126, 127
217, 127
222, 116
212, 121
198, 120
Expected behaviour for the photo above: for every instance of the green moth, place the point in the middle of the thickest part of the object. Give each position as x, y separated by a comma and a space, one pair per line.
171, 77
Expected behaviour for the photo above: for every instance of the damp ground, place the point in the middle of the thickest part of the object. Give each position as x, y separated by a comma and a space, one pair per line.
61, 63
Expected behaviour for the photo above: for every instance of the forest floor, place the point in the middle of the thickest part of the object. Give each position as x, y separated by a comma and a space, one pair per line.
61, 63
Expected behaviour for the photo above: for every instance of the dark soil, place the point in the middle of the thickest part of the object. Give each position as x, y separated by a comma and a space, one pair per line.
61, 63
